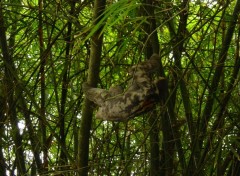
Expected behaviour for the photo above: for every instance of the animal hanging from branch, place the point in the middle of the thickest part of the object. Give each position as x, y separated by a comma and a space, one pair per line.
141, 95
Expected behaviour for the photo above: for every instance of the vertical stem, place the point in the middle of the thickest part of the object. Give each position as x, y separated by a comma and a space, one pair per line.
10, 83
93, 75
65, 82
3, 165
42, 125
152, 46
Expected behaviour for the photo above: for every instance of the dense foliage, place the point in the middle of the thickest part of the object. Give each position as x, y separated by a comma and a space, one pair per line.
49, 48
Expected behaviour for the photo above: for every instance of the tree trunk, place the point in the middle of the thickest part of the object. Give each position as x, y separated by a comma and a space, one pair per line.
10, 82
93, 75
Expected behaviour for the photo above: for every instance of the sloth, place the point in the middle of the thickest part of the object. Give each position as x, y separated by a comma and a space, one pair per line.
140, 96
